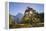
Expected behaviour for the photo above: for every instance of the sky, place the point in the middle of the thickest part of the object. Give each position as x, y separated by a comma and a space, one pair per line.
15, 8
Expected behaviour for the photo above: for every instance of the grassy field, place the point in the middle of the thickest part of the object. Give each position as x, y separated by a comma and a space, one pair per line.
27, 25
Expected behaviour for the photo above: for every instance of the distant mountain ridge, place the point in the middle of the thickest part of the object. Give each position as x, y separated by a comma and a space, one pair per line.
17, 18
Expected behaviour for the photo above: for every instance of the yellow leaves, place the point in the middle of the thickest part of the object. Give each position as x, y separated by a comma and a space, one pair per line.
26, 18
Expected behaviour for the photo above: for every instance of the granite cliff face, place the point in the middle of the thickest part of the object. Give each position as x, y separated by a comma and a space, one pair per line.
17, 18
